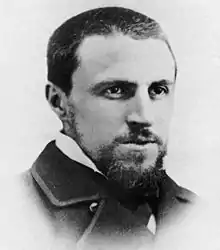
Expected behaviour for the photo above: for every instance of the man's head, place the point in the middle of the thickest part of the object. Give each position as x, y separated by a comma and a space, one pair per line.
112, 75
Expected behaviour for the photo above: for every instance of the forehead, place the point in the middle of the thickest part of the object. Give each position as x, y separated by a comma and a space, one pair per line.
121, 57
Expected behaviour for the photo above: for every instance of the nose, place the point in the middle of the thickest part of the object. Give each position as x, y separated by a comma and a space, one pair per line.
141, 111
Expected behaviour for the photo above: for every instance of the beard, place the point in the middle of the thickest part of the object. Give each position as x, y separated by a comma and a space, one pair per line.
128, 169
132, 171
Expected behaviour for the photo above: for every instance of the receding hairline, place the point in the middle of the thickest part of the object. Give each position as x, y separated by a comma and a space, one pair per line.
80, 51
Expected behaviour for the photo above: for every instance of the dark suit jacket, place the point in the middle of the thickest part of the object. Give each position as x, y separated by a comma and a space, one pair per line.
76, 203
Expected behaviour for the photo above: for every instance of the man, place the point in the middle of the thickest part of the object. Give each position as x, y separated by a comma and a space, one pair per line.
112, 75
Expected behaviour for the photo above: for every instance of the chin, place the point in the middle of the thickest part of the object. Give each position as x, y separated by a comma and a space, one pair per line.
132, 168
139, 172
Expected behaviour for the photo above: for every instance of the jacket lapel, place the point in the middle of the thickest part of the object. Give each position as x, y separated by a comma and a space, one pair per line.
64, 181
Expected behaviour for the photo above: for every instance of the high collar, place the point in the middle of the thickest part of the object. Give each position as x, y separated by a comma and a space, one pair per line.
66, 182
71, 149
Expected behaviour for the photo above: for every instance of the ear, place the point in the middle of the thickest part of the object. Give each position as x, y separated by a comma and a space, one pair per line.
56, 99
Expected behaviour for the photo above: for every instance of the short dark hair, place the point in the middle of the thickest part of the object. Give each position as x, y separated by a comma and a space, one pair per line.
62, 58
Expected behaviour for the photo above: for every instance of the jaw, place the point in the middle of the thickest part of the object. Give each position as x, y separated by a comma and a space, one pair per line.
133, 170
128, 167
132, 177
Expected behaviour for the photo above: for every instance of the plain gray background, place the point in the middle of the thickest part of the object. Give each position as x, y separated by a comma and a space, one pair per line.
193, 28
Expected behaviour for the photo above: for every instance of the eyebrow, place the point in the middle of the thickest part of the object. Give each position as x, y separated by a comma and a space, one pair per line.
109, 83
164, 82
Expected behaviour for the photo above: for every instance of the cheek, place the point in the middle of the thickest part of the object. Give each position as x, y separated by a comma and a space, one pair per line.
163, 118
100, 117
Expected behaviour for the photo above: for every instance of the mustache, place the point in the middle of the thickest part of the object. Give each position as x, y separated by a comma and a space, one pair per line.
141, 138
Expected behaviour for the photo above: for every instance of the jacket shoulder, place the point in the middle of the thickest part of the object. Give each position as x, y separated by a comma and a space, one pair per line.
175, 202
186, 196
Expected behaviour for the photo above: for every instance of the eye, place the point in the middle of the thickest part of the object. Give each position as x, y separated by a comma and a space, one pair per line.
114, 91
118, 92
158, 91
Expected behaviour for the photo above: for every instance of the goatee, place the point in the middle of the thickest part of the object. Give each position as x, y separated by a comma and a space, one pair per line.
134, 176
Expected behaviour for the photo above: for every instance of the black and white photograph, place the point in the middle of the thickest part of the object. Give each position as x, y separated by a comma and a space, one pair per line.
110, 125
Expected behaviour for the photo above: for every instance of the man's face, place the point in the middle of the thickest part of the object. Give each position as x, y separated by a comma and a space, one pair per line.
121, 105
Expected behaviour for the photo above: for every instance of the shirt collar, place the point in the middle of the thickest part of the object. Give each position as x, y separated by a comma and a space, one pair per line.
71, 149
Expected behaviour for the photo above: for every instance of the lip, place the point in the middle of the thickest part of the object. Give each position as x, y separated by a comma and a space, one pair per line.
138, 146
140, 142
